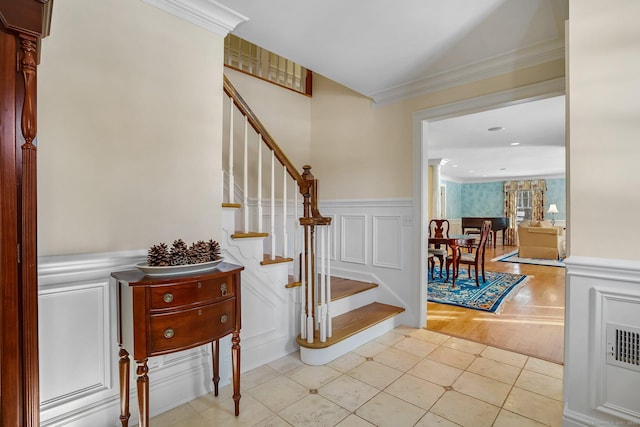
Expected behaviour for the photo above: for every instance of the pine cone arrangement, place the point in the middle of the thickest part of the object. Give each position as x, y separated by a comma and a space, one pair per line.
214, 250
179, 253
158, 255
199, 252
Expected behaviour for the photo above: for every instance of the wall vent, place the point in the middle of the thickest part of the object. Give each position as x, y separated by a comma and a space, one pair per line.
623, 346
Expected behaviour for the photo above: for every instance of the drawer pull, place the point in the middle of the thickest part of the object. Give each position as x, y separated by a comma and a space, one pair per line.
168, 297
199, 285
224, 318
168, 333
223, 289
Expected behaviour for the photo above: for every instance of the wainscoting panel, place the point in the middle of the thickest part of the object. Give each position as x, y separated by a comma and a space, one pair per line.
354, 238
601, 293
387, 241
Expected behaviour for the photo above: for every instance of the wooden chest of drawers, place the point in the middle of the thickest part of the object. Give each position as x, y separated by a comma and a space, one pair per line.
161, 315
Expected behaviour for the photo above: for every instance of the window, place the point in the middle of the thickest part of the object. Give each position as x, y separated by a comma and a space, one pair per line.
524, 205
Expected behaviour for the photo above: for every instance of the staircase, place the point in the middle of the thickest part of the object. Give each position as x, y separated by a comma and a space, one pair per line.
330, 316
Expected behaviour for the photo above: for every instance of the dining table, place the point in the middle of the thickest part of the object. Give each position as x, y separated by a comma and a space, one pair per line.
454, 241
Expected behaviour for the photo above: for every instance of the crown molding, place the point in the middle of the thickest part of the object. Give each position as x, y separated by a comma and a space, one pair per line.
473, 72
207, 14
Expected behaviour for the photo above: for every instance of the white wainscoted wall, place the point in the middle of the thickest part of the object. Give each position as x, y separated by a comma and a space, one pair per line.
602, 294
372, 242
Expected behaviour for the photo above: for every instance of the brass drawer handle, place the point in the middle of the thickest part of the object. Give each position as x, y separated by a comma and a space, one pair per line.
223, 289
168, 297
224, 318
168, 333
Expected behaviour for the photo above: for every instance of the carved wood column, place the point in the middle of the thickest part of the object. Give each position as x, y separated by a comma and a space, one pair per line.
22, 24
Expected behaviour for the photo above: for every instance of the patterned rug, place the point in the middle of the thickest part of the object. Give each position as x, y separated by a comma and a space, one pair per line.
490, 296
513, 257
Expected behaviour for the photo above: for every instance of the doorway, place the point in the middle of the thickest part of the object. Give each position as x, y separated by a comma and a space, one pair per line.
421, 121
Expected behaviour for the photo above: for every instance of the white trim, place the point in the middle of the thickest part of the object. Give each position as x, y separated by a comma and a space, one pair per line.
207, 14
480, 70
368, 203
343, 238
378, 243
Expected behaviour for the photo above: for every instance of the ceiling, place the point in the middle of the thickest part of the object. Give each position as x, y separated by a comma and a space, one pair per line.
390, 51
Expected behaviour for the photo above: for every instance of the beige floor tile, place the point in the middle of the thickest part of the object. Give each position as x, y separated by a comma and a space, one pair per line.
465, 410
509, 419
404, 330
348, 392
257, 376
195, 421
483, 388
432, 420
347, 362
416, 391
493, 369
397, 359
435, 372
314, 410
390, 338
505, 356
313, 377
449, 356
415, 346
375, 374
278, 393
429, 336
464, 345
544, 367
287, 363
177, 415
532, 405
370, 349
541, 384
354, 421
251, 412
386, 410
272, 421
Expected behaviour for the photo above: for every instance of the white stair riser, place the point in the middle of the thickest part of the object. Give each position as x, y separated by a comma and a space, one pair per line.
344, 305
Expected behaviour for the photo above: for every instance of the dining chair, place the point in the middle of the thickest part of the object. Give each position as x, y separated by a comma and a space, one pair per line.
432, 264
474, 258
438, 228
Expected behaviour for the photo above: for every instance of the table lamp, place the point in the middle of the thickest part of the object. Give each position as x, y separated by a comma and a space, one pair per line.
553, 210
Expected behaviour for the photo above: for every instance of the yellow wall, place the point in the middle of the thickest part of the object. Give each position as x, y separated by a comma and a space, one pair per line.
604, 130
375, 142
129, 144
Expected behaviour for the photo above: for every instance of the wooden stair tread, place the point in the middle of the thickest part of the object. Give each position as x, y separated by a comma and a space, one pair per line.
232, 205
243, 235
266, 260
342, 288
349, 324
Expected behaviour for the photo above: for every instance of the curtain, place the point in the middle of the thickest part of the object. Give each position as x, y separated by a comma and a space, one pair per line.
511, 188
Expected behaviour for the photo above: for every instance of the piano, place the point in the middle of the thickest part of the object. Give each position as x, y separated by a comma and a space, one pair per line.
498, 223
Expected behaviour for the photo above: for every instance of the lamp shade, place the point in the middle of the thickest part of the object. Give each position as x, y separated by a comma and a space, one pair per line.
553, 208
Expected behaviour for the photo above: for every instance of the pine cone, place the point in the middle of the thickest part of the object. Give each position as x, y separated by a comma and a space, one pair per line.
158, 255
214, 250
179, 253
199, 252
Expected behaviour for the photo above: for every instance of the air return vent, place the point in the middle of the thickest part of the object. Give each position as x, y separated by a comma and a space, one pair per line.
623, 346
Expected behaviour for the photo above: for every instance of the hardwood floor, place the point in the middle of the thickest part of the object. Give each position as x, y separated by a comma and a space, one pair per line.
531, 323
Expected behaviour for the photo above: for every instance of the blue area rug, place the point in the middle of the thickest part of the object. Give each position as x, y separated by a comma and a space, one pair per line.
490, 296
513, 257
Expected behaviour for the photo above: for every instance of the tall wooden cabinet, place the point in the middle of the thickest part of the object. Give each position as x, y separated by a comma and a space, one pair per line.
22, 24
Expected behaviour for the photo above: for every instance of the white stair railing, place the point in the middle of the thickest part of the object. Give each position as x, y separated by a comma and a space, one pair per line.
311, 236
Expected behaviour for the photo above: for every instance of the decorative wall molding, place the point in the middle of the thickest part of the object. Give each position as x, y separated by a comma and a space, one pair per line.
207, 14
354, 238
387, 241
484, 69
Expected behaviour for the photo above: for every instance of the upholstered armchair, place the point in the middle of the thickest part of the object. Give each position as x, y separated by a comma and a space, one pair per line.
539, 239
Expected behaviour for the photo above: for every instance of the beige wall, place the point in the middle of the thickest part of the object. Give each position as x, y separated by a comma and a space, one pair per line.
604, 130
375, 142
272, 104
129, 129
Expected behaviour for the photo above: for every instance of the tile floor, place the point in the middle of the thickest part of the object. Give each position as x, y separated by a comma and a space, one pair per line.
407, 377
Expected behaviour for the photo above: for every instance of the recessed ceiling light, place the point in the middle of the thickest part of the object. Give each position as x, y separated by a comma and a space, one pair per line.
503, 169
455, 166
495, 129
515, 143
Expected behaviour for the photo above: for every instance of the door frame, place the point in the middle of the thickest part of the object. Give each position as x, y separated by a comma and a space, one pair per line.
420, 122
